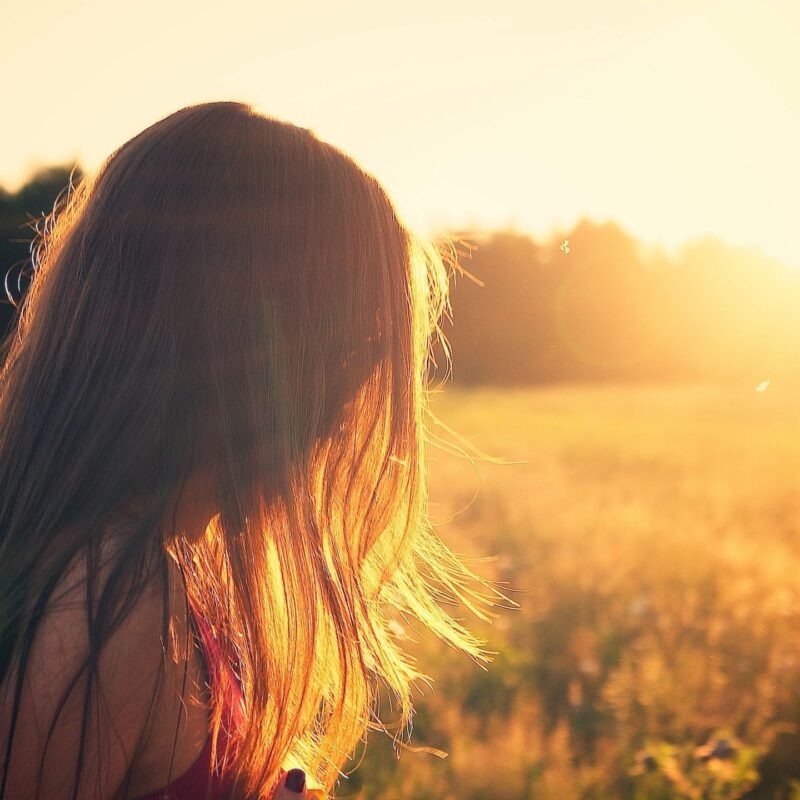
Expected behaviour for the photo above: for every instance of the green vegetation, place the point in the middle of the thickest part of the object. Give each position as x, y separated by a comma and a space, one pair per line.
653, 539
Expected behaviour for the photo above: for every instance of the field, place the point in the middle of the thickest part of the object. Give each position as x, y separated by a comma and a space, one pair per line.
651, 537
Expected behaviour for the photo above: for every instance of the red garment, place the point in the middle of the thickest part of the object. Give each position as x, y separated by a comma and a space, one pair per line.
204, 780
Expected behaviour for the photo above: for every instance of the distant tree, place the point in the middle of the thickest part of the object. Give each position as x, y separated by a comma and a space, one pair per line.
598, 309
494, 324
737, 310
603, 306
18, 212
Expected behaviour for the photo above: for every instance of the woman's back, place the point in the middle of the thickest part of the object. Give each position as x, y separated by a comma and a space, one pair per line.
176, 758
144, 752
203, 777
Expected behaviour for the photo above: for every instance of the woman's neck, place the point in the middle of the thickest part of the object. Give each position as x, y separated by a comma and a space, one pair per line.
189, 515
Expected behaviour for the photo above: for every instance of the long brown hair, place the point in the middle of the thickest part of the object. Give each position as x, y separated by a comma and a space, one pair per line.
229, 292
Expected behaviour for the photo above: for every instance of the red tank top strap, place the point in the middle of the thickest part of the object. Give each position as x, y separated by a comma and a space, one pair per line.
208, 778
220, 672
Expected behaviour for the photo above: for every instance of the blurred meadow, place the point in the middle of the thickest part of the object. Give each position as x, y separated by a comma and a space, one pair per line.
651, 537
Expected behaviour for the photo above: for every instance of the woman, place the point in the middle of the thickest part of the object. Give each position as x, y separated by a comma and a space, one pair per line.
212, 485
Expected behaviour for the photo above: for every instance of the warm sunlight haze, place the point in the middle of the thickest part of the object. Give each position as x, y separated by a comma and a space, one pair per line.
674, 118
596, 204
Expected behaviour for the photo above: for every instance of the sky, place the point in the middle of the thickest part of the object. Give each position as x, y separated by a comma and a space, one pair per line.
673, 118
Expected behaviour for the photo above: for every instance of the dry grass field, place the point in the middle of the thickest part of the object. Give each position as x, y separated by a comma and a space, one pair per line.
651, 537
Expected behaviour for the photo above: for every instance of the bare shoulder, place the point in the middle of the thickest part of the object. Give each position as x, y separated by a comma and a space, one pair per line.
50, 721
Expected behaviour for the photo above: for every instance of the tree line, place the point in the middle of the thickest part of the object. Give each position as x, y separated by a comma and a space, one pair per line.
594, 304
588, 304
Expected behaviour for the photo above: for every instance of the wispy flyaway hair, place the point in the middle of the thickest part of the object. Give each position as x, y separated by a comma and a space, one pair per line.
230, 293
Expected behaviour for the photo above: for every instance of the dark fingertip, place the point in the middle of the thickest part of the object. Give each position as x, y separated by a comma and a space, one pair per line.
295, 780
